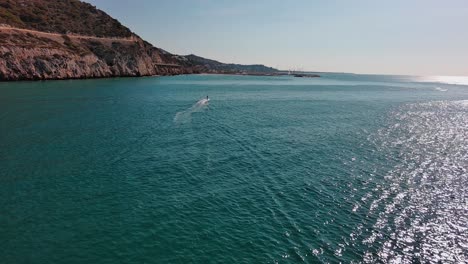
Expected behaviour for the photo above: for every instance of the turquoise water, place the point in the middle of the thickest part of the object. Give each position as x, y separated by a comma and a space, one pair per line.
344, 168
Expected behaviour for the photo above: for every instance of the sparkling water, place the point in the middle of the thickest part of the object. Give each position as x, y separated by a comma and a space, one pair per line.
343, 168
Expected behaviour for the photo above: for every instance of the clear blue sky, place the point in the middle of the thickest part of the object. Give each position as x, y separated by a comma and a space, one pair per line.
419, 37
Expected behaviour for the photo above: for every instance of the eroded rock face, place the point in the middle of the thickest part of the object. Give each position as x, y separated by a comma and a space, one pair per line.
37, 56
56, 39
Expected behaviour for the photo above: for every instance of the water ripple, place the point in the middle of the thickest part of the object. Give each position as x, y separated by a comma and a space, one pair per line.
423, 208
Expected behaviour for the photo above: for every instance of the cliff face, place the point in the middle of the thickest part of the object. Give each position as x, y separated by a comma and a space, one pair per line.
30, 55
63, 39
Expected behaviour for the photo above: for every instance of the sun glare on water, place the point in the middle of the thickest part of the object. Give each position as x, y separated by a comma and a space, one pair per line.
457, 80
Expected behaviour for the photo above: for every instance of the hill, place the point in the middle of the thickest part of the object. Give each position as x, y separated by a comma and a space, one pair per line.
219, 67
61, 39
60, 16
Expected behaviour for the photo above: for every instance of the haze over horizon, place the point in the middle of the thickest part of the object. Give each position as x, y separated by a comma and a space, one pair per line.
401, 37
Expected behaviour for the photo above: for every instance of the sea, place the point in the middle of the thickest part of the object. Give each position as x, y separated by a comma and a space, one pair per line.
345, 168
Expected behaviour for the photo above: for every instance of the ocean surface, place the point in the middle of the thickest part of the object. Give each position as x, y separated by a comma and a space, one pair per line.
344, 168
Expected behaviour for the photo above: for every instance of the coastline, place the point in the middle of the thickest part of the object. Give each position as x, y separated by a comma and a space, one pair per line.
159, 75
279, 73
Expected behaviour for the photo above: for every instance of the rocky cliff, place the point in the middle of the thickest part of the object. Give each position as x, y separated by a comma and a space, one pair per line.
30, 55
62, 39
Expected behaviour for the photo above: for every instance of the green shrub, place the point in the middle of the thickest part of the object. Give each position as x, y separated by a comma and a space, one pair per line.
6, 17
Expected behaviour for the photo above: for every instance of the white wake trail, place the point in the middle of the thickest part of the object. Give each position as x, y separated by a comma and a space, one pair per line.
186, 115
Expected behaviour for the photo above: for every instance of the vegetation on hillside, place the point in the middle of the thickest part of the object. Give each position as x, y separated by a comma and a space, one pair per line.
216, 66
60, 16
29, 55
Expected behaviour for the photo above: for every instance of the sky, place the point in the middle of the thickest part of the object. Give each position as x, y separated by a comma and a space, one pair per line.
411, 37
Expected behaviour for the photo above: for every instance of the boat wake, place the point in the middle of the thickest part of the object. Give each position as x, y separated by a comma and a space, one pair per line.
441, 89
185, 116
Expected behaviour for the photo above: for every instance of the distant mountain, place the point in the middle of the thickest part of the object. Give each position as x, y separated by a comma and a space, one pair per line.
61, 39
216, 66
